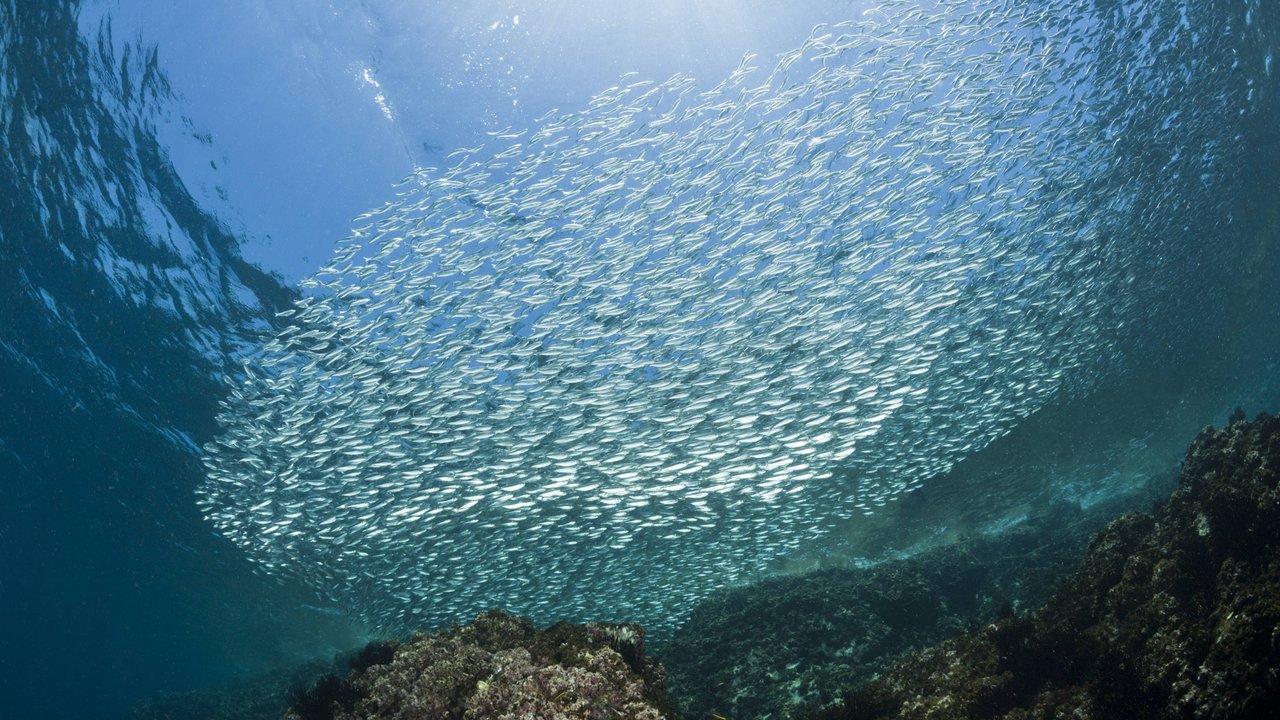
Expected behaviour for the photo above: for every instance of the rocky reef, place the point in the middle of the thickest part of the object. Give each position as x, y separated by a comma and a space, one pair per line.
499, 666
1172, 614
783, 647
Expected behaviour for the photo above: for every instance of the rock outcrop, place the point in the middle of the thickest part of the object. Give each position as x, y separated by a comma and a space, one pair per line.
783, 647
499, 666
1173, 614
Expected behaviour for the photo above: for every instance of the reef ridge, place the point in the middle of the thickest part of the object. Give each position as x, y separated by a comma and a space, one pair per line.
1171, 614
499, 666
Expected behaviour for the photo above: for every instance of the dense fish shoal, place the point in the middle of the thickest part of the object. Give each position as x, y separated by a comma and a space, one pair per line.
636, 352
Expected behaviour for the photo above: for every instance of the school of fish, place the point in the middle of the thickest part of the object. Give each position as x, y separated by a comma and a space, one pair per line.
634, 353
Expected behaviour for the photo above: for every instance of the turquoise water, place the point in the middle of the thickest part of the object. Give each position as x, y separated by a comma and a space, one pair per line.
915, 274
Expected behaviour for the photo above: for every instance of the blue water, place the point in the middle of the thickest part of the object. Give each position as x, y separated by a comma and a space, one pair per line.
169, 178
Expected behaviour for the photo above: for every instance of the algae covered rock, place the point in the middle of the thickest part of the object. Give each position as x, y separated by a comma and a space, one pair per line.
783, 647
1175, 614
500, 666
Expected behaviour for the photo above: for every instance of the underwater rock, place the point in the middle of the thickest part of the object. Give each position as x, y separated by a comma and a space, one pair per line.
497, 667
1175, 614
785, 646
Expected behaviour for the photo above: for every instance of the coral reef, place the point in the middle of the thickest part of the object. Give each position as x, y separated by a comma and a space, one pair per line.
500, 666
785, 646
1173, 614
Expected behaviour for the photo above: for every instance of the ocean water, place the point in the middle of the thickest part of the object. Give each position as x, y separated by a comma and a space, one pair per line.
588, 312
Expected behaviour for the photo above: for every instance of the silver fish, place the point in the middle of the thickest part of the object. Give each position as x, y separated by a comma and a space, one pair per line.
640, 351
